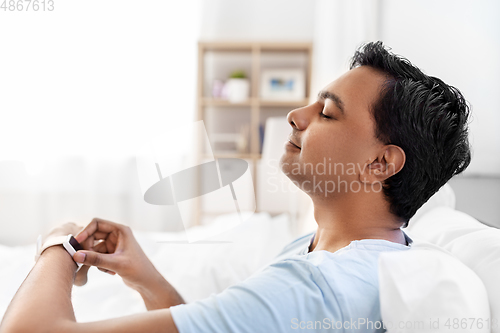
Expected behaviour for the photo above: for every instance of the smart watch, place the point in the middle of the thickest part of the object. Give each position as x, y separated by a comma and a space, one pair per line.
69, 243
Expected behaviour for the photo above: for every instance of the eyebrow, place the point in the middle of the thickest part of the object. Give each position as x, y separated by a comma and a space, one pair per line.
331, 96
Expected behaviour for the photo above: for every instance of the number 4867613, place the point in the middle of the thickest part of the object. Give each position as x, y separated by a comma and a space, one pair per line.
27, 5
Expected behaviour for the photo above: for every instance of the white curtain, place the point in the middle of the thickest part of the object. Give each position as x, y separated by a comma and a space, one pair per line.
81, 88
340, 27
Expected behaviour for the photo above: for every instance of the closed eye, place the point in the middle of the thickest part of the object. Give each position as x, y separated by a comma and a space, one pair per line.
325, 116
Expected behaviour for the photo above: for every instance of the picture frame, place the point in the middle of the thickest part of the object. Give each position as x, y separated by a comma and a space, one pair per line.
287, 84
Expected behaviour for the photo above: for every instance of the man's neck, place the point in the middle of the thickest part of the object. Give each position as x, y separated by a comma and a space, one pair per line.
341, 221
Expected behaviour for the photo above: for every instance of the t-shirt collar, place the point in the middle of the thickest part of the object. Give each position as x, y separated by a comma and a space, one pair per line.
408, 240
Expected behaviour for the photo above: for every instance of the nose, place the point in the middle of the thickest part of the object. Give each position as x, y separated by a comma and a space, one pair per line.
298, 118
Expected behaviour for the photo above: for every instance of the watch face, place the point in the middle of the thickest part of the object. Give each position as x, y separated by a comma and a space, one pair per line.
74, 243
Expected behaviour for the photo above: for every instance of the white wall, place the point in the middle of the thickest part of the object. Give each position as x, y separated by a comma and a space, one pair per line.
478, 197
459, 42
273, 20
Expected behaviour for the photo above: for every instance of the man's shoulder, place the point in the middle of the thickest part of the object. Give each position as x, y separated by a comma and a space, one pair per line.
358, 261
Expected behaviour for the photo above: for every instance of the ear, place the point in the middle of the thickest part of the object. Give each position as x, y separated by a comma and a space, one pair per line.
390, 161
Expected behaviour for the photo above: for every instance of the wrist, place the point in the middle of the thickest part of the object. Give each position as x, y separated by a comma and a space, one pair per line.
57, 252
68, 242
152, 285
50, 241
159, 294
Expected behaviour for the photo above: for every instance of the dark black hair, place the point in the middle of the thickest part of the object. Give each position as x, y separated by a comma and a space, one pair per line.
425, 117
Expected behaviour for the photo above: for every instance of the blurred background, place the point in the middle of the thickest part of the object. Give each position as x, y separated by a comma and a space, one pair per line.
85, 85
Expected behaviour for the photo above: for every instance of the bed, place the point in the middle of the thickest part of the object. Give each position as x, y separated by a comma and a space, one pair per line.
221, 261
454, 273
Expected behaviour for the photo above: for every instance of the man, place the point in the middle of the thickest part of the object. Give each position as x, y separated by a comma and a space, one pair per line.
387, 136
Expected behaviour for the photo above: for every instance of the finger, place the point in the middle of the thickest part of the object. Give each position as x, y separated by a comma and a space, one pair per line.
102, 235
114, 236
98, 224
80, 228
88, 244
111, 240
110, 246
100, 247
99, 235
81, 276
98, 241
104, 247
106, 271
101, 260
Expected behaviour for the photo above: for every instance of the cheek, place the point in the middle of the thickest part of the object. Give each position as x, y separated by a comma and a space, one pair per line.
345, 145
325, 144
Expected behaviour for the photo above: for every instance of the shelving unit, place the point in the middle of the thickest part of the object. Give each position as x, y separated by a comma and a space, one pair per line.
216, 60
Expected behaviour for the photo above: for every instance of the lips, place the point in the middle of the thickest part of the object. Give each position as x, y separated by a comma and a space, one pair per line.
293, 143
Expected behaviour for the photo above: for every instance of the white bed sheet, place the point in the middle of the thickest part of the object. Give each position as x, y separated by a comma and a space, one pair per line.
195, 270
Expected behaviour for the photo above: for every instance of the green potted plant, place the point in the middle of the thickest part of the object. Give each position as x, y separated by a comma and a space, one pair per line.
237, 87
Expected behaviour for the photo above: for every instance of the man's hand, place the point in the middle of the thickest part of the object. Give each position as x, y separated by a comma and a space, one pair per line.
115, 250
64, 230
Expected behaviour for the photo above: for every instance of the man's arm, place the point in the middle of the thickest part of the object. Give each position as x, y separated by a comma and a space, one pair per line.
45, 295
43, 303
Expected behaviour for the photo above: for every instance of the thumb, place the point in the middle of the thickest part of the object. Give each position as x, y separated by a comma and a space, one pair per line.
81, 276
97, 259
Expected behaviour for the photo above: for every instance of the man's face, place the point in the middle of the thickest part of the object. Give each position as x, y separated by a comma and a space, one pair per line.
333, 138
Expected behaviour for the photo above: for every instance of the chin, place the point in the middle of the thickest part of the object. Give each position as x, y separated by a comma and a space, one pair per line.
286, 164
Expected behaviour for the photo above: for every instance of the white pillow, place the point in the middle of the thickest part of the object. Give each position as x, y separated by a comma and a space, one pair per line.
425, 289
198, 270
444, 197
473, 243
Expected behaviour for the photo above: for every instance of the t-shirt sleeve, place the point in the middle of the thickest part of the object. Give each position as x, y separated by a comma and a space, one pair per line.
274, 300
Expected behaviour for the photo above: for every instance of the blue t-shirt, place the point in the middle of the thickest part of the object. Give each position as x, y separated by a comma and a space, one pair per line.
317, 291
